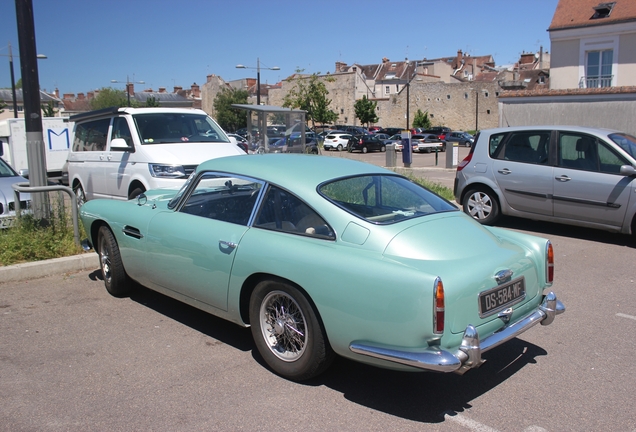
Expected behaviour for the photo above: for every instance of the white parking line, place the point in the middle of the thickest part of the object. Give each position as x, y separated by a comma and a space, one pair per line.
478, 427
626, 316
468, 423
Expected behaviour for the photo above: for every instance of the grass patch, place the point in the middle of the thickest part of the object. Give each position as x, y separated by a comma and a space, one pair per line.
28, 240
438, 188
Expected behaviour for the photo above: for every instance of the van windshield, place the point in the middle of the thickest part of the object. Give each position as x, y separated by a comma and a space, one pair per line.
162, 128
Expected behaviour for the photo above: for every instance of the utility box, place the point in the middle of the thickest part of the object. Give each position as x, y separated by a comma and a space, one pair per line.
452, 154
56, 132
391, 157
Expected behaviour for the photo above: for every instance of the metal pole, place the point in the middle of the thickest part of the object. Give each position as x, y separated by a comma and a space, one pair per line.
15, 101
258, 81
477, 111
408, 98
36, 157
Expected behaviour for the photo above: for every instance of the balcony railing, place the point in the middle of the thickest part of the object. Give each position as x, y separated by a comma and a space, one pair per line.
595, 82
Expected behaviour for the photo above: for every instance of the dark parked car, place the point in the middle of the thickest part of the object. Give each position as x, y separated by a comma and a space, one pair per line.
463, 138
440, 131
366, 143
390, 131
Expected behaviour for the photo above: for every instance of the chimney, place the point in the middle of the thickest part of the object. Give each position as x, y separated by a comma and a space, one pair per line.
385, 60
177, 89
162, 89
340, 66
68, 96
90, 95
80, 96
460, 57
57, 93
196, 91
130, 88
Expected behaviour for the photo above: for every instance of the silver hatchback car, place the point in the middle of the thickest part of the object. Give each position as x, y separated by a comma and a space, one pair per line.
566, 174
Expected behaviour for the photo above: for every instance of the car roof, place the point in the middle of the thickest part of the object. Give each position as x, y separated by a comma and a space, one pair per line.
291, 171
570, 128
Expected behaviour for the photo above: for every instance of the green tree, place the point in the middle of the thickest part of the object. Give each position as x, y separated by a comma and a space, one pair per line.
365, 110
48, 110
2, 106
421, 120
229, 118
18, 85
310, 94
152, 102
109, 97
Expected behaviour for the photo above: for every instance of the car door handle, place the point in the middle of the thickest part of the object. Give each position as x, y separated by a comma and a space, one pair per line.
227, 244
563, 178
504, 171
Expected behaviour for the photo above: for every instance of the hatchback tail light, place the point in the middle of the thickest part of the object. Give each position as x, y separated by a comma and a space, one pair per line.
438, 310
465, 162
549, 264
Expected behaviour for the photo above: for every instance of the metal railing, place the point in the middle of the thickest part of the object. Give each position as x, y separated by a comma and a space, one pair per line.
596, 82
24, 187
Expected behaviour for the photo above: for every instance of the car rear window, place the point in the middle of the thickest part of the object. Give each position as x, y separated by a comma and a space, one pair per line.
383, 199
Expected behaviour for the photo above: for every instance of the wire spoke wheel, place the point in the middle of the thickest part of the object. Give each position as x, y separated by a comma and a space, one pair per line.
283, 325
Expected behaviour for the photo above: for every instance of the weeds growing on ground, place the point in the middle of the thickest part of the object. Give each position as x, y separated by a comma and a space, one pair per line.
29, 240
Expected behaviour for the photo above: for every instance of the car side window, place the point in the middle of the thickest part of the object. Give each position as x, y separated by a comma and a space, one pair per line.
609, 161
223, 198
91, 135
578, 151
282, 211
495, 145
121, 130
527, 147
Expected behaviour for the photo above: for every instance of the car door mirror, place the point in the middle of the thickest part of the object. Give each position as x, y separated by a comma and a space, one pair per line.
628, 170
120, 144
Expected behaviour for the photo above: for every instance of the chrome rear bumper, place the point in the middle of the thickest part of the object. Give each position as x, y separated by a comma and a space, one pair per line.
468, 355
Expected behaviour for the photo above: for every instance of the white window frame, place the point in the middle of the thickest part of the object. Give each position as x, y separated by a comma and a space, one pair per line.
387, 89
598, 44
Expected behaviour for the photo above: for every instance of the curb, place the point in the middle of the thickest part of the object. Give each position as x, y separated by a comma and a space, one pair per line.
39, 269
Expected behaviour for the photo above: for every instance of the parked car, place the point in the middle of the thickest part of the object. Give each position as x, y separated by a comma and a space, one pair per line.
374, 129
245, 239
440, 131
293, 144
567, 174
391, 131
336, 141
382, 136
8, 176
119, 153
365, 143
396, 140
463, 138
427, 143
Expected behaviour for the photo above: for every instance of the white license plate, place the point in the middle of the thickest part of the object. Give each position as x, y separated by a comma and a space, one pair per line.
501, 297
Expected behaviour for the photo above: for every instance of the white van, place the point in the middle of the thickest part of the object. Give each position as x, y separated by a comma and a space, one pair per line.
120, 153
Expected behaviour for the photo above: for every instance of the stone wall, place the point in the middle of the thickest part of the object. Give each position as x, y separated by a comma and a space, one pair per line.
453, 105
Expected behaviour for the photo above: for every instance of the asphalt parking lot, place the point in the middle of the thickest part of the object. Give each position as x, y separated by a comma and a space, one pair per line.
73, 358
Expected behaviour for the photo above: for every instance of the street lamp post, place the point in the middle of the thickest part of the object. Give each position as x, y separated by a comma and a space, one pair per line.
128, 83
13, 92
258, 77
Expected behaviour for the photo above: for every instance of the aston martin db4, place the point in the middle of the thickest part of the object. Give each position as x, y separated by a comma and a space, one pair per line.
326, 256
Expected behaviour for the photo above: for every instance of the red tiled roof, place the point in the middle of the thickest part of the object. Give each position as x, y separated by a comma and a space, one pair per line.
579, 13
569, 92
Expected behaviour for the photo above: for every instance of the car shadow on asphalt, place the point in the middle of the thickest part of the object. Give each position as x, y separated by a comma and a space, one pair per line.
418, 396
546, 229
427, 396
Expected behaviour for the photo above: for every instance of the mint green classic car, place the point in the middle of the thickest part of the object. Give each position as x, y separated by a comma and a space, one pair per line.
326, 256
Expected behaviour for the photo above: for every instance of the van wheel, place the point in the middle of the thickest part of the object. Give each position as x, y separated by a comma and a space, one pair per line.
136, 192
482, 205
80, 195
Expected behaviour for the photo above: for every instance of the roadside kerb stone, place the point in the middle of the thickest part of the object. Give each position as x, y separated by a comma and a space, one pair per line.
39, 269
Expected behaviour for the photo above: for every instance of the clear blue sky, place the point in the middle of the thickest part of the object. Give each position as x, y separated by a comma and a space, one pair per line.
166, 43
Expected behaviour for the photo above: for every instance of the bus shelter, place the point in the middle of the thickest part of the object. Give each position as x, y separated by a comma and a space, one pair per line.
259, 117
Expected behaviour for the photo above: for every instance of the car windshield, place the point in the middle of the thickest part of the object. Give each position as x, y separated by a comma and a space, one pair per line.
626, 142
6, 170
161, 128
383, 199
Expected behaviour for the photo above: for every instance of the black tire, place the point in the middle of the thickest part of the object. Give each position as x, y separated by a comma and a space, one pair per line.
80, 195
287, 332
115, 278
136, 192
482, 205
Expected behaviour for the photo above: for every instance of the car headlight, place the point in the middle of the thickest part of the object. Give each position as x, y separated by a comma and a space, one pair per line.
167, 171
